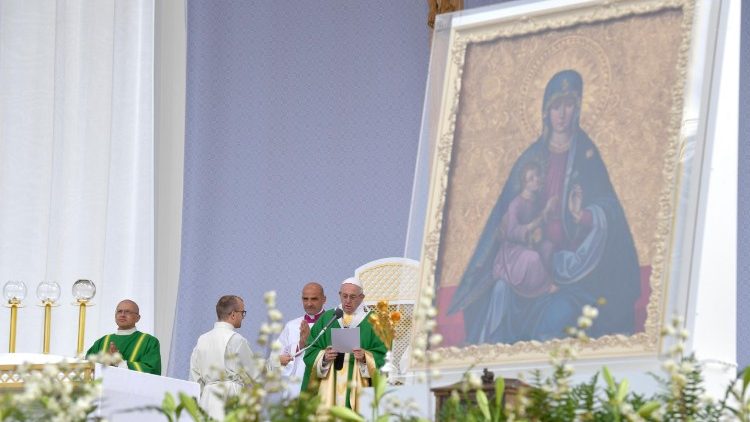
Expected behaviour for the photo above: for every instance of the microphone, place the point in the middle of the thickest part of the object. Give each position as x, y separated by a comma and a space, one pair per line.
338, 313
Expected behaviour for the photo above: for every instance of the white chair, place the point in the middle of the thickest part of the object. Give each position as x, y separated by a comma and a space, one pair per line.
395, 280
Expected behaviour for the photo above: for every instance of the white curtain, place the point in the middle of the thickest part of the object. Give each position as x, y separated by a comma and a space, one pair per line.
76, 161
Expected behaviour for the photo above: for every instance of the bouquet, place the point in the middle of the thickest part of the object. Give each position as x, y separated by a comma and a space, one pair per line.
384, 322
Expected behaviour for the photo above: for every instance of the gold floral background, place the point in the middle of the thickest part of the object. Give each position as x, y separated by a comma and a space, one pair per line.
629, 68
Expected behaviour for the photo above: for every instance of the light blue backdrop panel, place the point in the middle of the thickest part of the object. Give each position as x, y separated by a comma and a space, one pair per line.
301, 137
743, 201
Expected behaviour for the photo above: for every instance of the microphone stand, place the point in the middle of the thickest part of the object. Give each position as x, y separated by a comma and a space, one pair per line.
338, 314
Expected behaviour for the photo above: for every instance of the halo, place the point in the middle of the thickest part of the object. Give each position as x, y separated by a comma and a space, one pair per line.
576, 52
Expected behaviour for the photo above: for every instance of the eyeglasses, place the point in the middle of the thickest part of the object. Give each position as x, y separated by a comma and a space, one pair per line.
345, 296
243, 313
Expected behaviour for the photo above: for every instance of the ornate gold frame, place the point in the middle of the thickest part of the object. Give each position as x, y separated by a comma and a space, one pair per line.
509, 23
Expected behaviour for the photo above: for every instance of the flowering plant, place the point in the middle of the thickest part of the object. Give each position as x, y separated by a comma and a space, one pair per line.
552, 397
384, 322
55, 392
556, 398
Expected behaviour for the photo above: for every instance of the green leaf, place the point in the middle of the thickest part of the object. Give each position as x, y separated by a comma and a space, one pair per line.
608, 378
191, 406
622, 391
499, 391
168, 403
380, 384
346, 414
483, 404
648, 408
178, 411
383, 418
745, 378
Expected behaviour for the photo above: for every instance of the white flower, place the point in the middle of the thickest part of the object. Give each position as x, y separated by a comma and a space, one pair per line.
584, 322
568, 369
667, 331
270, 298
669, 365
679, 379
707, 399
626, 408
275, 315
677, 349
51, 371
590, 311
474, 381
687, 367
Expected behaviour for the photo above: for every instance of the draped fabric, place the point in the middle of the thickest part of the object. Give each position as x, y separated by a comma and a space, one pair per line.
76, 159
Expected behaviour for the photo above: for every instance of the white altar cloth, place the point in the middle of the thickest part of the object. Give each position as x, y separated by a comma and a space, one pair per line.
124, 390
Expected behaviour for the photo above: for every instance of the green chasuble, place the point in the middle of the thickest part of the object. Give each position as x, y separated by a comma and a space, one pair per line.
335, 388
139, 350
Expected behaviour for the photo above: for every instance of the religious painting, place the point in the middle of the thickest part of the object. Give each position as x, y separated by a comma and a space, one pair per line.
558, 145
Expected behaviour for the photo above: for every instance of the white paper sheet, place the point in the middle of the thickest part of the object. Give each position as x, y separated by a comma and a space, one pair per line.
345, 339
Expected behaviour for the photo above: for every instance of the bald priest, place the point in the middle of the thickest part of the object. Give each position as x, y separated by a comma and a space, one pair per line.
140, 351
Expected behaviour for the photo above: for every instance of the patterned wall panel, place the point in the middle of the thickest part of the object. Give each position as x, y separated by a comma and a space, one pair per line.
743, 200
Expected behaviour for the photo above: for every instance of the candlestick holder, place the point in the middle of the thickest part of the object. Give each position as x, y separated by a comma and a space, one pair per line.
83, 292
14, 292
48, 292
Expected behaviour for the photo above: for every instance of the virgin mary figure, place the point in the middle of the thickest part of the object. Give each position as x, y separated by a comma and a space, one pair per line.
590, 258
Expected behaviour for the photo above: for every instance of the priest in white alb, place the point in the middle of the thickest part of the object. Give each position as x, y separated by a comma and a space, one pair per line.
222, 359
296, 332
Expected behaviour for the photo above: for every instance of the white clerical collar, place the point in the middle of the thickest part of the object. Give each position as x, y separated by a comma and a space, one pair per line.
223, 324
312, 319
127, 332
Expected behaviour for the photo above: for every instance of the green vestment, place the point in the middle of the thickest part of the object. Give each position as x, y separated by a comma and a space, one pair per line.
140, 350
369, 342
